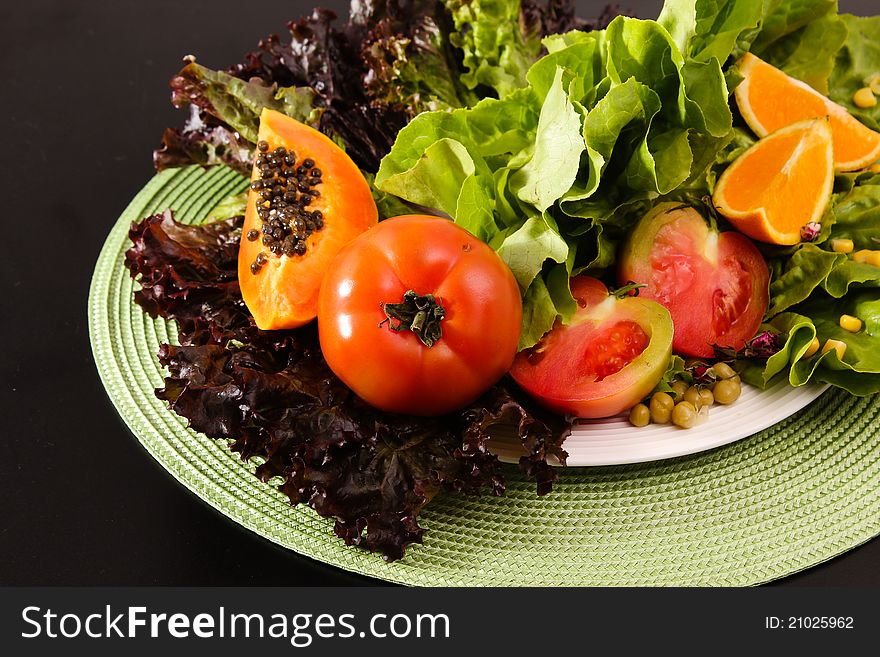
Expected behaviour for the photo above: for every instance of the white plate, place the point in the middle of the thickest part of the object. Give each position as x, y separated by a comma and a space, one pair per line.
614, 441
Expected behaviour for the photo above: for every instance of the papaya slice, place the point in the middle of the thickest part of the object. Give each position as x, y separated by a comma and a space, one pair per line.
307, 200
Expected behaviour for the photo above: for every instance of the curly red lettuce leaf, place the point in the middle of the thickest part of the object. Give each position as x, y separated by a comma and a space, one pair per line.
189, 273
234, 101
539, 19
411, 64
318, 74
359, 82
271, 395
225, 116
205, 141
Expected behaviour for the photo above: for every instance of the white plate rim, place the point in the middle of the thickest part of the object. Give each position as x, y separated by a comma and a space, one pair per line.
614, 441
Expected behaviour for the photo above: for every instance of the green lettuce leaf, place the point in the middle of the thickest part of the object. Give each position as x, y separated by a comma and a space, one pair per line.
693, 100
387, 205
850, 273
676, 370
856, 63
644, 50
706, 29
473, 209
799, 332
525, 250
705, 86
784, 17
234, 205
580, 62
436, 178
802, 37
555, 42
496, 53
858, 372
547, 299
856, 217
802, 273
539, 313
809, 54
627, 108
556, 157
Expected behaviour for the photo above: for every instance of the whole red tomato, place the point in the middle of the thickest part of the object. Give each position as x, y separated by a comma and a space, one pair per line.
715, 285
419, 316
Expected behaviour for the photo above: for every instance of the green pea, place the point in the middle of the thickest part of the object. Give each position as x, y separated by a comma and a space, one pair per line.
684, 415
661, 407
723, 371
639, 416
727, 391
707, 397
678, 390
693, 396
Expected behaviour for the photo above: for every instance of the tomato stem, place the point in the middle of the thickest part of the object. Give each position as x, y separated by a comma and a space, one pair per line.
704, 206
420, 314
631, 289
712, 213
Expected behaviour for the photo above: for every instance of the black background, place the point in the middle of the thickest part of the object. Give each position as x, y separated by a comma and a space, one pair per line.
84, 98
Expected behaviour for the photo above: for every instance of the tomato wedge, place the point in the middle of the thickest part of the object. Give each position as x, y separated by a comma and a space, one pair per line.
611, 355
715, 285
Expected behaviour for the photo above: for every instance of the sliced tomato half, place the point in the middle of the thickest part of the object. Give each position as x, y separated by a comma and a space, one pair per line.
611, 355
715, 285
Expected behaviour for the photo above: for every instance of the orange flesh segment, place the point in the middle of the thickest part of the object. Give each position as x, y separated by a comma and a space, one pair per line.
769, 100
780, 184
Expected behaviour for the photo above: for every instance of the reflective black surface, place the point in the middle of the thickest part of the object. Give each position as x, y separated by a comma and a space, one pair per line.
84, 101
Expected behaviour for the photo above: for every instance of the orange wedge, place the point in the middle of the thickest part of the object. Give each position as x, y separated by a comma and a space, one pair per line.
768, 100
780, 184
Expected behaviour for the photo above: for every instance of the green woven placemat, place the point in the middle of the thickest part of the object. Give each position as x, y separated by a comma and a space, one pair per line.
783, 500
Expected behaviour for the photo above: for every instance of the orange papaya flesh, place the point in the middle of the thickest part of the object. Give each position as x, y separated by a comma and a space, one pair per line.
281, 291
